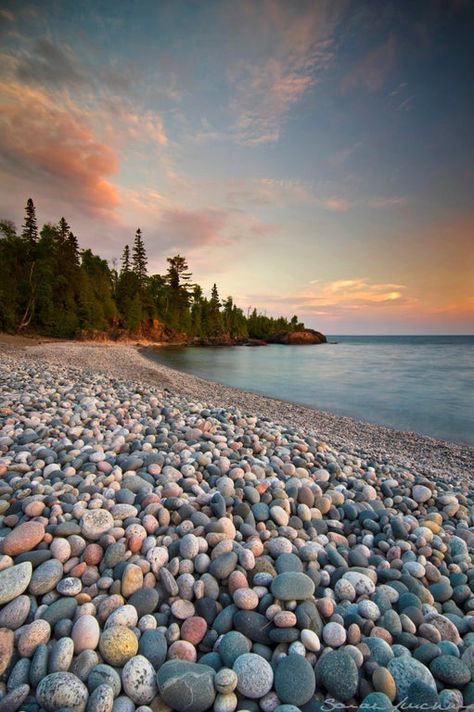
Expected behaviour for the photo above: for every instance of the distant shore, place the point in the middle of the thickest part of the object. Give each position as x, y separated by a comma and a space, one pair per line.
423, 454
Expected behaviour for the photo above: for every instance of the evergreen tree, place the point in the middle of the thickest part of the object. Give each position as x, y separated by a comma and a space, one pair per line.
125, 264
215, 321
139, 259
30, 227
63, 230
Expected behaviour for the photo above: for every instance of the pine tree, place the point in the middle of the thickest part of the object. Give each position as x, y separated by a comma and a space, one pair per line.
125, 264
30, 227
139, 259
215, 318
63, 230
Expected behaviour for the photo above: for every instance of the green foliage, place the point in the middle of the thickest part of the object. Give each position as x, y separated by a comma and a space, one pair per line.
48, 284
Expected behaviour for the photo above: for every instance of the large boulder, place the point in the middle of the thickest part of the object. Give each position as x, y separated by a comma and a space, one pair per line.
303, 336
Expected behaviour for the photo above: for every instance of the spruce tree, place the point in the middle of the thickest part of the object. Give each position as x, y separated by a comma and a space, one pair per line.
139, 259
125, 263
30, 227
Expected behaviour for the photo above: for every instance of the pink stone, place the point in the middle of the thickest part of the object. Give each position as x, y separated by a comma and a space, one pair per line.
194, 629
85, 634
23, 538
182, 650
245, 598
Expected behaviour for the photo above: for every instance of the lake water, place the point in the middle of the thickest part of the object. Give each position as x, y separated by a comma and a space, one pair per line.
417, 383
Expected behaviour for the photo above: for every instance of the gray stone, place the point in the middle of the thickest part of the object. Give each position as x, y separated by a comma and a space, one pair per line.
292, 586
14, 581
255, 675
406, 670
186, 687
338, 673
294, 680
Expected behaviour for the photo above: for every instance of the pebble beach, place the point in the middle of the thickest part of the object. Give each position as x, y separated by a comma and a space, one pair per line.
169, 543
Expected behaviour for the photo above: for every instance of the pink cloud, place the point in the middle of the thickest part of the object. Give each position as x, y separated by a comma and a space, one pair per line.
296, 47
50, 141
337, 205
189, 228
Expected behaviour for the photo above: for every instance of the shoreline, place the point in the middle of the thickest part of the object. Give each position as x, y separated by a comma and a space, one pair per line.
422, 453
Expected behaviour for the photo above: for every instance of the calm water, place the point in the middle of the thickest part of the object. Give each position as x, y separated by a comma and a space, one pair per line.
418, 383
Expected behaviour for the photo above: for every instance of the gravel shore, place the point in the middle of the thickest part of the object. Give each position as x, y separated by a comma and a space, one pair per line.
424, 454
168, 543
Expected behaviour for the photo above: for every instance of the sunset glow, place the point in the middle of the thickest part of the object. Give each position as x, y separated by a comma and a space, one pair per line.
309, 157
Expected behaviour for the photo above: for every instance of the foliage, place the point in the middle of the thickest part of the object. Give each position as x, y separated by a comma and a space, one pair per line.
47, 283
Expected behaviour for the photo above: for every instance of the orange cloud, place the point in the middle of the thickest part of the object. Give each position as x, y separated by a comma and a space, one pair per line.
49, 140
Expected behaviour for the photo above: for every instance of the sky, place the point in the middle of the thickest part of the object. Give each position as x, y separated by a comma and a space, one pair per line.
310, 157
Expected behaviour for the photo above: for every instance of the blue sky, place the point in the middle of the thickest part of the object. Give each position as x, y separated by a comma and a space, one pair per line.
315, 157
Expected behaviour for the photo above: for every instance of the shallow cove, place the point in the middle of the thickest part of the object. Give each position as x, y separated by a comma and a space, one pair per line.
412, 383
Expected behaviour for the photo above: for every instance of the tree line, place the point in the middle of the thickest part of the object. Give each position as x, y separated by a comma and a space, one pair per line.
49, 285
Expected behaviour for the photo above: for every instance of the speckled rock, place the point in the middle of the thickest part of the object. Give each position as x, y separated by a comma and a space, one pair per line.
406, 670
139, 680
117, 645
254, 675
62, 690
95, 522
14, 581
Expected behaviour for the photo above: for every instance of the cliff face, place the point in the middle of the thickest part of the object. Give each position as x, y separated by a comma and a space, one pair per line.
152, 330
305, 336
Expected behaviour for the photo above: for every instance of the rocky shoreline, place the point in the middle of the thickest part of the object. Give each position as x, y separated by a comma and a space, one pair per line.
167, 543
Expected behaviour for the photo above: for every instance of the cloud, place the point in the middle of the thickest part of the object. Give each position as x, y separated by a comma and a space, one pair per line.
297, 48
269, 191
338, 298
51, 64
6, 14
181, 228
337, 205
50, 141
371, 70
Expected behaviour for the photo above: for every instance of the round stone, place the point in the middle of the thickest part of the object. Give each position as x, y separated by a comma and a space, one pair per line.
102, 674
233, 645
186, 687
62, 690
194, 629
101, 699
450, 670
295, 682
95, 522
377, 702
334, 634
14, 581
46, 577
292, 586
15, 613
23, 538
383, 681
117, 645
421, 493
339, 674
310, 640
69, 586
6, 648
153, 647
85, 634
32, 635
139, 680
406, 670
225, 681
254, 675
245, 598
